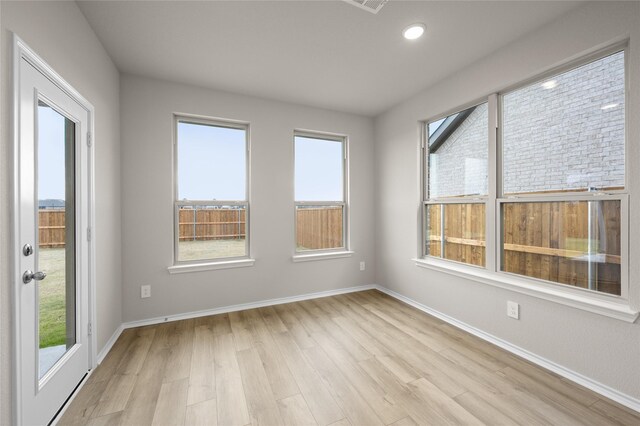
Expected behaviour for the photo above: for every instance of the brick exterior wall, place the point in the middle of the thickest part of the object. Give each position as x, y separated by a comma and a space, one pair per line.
459, 166
554, 139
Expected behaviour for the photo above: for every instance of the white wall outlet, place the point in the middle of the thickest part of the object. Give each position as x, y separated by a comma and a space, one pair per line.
145, 291
513, 310
362, 266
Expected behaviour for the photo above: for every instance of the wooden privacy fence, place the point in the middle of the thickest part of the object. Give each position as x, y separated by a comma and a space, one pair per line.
51, 228
546, 240
319, 227
211, 224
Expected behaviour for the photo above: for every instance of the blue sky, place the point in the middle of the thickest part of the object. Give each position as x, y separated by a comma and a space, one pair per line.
318, 170
50, 154
212, 165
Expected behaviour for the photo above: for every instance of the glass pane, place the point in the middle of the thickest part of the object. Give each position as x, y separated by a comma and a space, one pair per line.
568, 132
319, 227
211, 232
212, 162
569, 242
319, 174
457, 154
464, 232
56, 236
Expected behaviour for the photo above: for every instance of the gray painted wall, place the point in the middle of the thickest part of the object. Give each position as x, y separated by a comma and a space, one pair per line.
603, 349
59, 33
147, 198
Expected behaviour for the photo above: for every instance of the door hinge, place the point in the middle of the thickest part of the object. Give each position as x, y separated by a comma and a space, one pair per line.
89, 329
89, 141
89, 234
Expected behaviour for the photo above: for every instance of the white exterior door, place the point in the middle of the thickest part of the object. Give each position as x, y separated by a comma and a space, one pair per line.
51, 243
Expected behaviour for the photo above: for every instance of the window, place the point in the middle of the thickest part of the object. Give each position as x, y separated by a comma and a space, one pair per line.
562, 137
211, 206
456, 152
320, 192
544, 197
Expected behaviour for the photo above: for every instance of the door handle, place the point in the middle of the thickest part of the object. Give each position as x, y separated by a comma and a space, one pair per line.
29, 276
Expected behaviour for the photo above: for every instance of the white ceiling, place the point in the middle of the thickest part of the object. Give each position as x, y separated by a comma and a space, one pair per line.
326, 54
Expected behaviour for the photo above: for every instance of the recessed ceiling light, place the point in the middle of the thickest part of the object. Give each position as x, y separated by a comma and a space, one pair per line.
413, 31
608, 106
550, 84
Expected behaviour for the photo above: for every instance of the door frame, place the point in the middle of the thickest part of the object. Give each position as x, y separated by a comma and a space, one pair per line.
21, 51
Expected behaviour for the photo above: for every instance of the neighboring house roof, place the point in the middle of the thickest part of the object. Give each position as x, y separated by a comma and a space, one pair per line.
446, 129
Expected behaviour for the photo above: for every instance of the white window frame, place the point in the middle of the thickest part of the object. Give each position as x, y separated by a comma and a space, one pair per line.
597, 302
213, 262
442, 201
320, 254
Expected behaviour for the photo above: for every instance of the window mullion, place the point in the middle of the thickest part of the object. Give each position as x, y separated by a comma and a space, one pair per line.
491, 212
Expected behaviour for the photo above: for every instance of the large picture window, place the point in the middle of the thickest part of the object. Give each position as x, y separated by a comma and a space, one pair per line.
211, 206
561, 137
320, 192
533, 183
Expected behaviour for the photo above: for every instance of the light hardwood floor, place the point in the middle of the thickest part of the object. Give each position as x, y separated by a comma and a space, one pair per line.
356, 359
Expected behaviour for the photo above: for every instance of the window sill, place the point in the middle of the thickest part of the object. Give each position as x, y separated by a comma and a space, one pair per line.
614, 309
210, 266
321, 256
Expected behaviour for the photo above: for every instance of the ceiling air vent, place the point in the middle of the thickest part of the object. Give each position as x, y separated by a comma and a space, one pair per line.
372, 6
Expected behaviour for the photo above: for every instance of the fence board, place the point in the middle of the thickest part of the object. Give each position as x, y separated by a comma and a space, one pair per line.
319, 228
51, 228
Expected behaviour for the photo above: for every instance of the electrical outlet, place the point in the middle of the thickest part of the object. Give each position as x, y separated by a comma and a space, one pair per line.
145, 291
513, 310
362, 266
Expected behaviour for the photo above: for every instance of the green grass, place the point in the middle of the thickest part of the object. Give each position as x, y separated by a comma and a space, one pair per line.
52, 298
52, 289
211, 249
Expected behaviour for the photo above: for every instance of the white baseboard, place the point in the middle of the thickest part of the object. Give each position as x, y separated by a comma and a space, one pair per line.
243, 306
112, 340
602, 389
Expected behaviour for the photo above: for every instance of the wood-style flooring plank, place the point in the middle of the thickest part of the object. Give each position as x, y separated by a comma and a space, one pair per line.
346, 360
348, 398
261, 402
280, 378
113, 419
240, 329
172, 403
115, 396
141, 405
616, 412
136, 352
294, 327
203, 413
324, 408
230, 397
295, 411
180, 343
202, 384
114, 357
80, 411
378, 399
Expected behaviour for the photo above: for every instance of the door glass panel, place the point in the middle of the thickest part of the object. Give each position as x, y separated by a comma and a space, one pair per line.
56, 236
